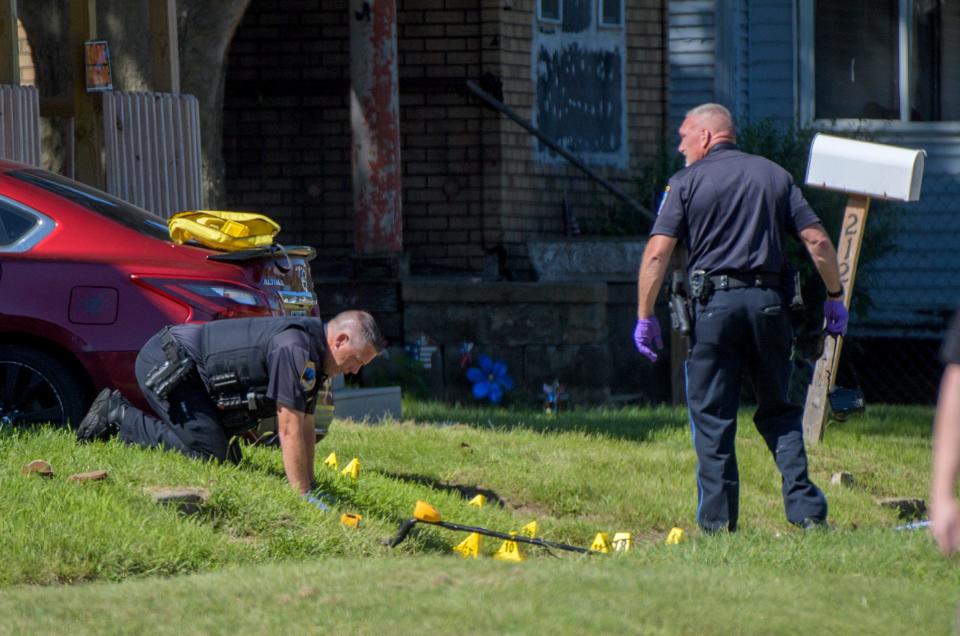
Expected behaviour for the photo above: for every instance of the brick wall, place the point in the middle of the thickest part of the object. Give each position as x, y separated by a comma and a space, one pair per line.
28, 75
471, 186
439, 44
532, 193
286, 132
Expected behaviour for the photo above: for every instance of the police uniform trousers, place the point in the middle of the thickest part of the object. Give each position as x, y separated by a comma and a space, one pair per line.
745, 330
188, 421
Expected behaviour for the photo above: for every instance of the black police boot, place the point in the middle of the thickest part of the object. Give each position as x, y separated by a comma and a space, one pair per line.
104, 417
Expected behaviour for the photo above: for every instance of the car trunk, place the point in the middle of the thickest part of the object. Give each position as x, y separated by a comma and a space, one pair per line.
285, 270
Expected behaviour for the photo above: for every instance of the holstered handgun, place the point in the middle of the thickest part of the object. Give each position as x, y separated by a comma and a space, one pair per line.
164, 378
679, 304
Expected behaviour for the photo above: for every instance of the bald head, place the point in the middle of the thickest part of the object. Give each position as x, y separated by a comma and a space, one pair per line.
703, 128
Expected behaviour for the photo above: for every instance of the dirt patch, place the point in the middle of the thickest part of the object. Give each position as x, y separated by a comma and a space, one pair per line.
527, 509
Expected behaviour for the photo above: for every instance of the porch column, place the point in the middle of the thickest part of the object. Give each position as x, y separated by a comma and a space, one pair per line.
375, 127
9, 43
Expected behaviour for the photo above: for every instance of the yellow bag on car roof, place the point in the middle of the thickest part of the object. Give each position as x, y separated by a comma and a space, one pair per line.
220, 230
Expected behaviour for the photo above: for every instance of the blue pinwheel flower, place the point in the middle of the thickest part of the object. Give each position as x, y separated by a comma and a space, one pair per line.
490, 379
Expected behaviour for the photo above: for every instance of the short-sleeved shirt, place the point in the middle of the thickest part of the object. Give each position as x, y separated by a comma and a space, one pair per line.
950, 350
295, 378
733, 210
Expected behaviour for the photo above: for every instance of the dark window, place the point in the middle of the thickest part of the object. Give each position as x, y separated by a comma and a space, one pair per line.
94, 200
550, 10
935, 61
856, 59
14, 224
611, 13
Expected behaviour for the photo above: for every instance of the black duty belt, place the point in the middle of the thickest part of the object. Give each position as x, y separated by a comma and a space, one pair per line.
736, 281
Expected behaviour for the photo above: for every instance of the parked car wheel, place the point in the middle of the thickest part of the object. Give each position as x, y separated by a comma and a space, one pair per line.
36, 388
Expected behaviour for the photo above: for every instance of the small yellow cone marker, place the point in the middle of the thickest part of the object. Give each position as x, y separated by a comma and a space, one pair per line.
331, 461
351, 519
676, 536
622, 542
530, 530
601, 543
469, 547
509, 551
425, 512
352, 470
477, 501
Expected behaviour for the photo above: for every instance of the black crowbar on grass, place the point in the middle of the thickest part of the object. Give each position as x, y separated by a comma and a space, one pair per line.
407, 525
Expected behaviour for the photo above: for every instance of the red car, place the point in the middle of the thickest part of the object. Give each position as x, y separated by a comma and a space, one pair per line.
86, 279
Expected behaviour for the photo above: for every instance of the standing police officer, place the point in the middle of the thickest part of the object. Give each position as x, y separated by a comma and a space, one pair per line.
734, 210
209, 382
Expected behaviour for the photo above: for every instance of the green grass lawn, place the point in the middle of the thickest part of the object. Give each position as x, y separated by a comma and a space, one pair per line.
102, 558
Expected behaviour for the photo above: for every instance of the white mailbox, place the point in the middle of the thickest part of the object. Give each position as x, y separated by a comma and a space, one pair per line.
860, 167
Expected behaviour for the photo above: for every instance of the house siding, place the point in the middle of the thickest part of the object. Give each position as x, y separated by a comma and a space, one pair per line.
744, 53
691, 46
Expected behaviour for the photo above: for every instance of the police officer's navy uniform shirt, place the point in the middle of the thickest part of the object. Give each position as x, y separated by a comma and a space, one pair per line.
294, 379
726, 205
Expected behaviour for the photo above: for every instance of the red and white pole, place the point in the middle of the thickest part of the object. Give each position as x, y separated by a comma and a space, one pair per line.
375, 126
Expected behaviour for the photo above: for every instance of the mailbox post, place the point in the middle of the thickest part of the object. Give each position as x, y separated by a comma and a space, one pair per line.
862, 170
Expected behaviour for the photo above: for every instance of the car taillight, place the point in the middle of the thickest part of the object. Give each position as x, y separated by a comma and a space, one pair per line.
212, 300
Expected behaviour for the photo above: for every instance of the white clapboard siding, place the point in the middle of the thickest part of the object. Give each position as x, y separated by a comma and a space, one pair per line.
20, 124
691, 50
152, 144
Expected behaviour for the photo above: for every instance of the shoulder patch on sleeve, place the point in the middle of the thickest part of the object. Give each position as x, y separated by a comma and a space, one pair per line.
663, 199
308, 377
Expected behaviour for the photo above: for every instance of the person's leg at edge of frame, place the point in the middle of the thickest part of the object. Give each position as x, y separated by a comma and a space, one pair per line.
712, 378
778, 421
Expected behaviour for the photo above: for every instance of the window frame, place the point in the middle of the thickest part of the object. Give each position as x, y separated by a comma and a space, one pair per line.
806, 55
610, 25
41, 229
545, 20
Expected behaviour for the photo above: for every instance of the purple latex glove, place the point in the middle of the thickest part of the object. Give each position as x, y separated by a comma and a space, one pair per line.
646, 335
836, 316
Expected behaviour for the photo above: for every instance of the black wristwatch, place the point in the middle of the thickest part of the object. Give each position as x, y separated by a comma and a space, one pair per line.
835, 295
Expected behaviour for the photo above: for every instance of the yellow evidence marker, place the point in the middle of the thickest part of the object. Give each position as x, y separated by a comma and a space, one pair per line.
509, 551
622, 542
469, 547
331, 461
530, 530
601, 543
676, 536
351, 519
477, 501
425, 512
352, 470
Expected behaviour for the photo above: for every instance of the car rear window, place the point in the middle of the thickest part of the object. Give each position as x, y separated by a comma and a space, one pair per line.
96, 201
13, 224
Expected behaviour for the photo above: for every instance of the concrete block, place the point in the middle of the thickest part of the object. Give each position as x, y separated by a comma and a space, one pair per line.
374, 403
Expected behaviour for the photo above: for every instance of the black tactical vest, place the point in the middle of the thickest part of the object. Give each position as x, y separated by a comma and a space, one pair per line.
234, 356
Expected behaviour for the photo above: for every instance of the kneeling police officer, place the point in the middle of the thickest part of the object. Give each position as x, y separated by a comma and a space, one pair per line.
209, 382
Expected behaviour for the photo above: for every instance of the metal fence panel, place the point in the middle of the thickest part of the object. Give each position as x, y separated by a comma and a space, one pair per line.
20, 124
152, 143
